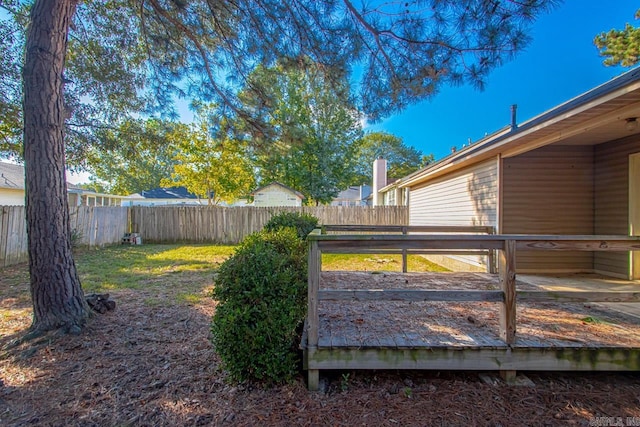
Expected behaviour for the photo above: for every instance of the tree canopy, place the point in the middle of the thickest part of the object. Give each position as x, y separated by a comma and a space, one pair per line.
132, 56
135, 56
401, 159
12, 36
620, 47
136, 155
310, 129
212, 167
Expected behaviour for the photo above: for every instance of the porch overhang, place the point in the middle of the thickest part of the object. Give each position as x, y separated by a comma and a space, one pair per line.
594, 117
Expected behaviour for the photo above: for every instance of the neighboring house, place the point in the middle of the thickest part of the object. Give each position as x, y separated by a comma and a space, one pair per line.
356, 195
163, 197
81, 197
12, 190
574, 169
276, 194
387, 191
11, 185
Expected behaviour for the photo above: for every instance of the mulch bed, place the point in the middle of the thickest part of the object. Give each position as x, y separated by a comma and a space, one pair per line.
149, 362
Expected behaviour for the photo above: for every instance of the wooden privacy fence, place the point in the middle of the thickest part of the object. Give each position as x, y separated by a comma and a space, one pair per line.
13, 235
98, 226
92, 226
317, 357
230, 225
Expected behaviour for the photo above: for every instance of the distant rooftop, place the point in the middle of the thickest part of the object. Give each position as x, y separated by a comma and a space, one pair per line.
11, 176
168, 193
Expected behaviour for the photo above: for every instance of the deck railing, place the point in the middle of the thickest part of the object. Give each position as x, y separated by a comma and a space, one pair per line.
506, 247
417, 229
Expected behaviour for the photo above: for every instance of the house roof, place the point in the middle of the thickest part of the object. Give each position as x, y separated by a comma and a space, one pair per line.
286, 188
168, 193
593, 117
351, 193
11, 176
354, 192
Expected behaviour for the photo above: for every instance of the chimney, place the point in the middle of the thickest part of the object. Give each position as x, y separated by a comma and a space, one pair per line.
514, 123
379, 179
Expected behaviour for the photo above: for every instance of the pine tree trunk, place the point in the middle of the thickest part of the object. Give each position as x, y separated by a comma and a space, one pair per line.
58, 300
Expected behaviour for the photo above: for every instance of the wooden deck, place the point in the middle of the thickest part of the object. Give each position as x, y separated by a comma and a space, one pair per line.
390, 334
465, 321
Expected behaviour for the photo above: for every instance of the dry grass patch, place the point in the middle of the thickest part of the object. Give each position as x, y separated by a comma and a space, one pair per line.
372, 262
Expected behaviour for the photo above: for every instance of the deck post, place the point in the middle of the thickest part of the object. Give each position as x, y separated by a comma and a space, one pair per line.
313, 379
508, 377
491, 255
507, 259
404, 252
315, 267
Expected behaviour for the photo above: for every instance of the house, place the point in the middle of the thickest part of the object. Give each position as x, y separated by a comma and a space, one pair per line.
574, 169
387, 191
12, 190
355, 195
79, 196
164, 196
276, 194
11, 185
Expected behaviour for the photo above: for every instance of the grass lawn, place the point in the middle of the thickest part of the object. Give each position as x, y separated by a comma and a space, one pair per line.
188, 270
164, 274
370, 262
161, 274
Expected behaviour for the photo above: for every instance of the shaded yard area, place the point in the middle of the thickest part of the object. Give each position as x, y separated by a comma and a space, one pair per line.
150, 362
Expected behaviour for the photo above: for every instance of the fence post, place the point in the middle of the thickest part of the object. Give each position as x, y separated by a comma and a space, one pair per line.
315, 267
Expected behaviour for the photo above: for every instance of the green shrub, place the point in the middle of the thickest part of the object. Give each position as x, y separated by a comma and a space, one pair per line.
261, 291
303, 223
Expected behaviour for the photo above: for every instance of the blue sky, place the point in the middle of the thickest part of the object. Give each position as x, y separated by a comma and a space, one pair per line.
560, 63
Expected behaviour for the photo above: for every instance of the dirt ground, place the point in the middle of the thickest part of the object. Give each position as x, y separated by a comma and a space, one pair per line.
150, 363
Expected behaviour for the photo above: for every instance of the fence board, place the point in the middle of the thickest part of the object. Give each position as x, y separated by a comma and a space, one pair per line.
165, 224
13, 235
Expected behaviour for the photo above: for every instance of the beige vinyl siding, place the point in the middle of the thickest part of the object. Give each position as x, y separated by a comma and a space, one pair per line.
467, 197
550, 191
612, 200
276, 196
11, 197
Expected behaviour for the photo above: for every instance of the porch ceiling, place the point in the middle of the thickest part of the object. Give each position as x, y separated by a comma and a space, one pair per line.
598, 124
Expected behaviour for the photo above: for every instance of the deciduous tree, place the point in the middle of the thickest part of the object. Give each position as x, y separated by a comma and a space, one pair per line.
401, 159
310, 129
217, 169
136, 155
